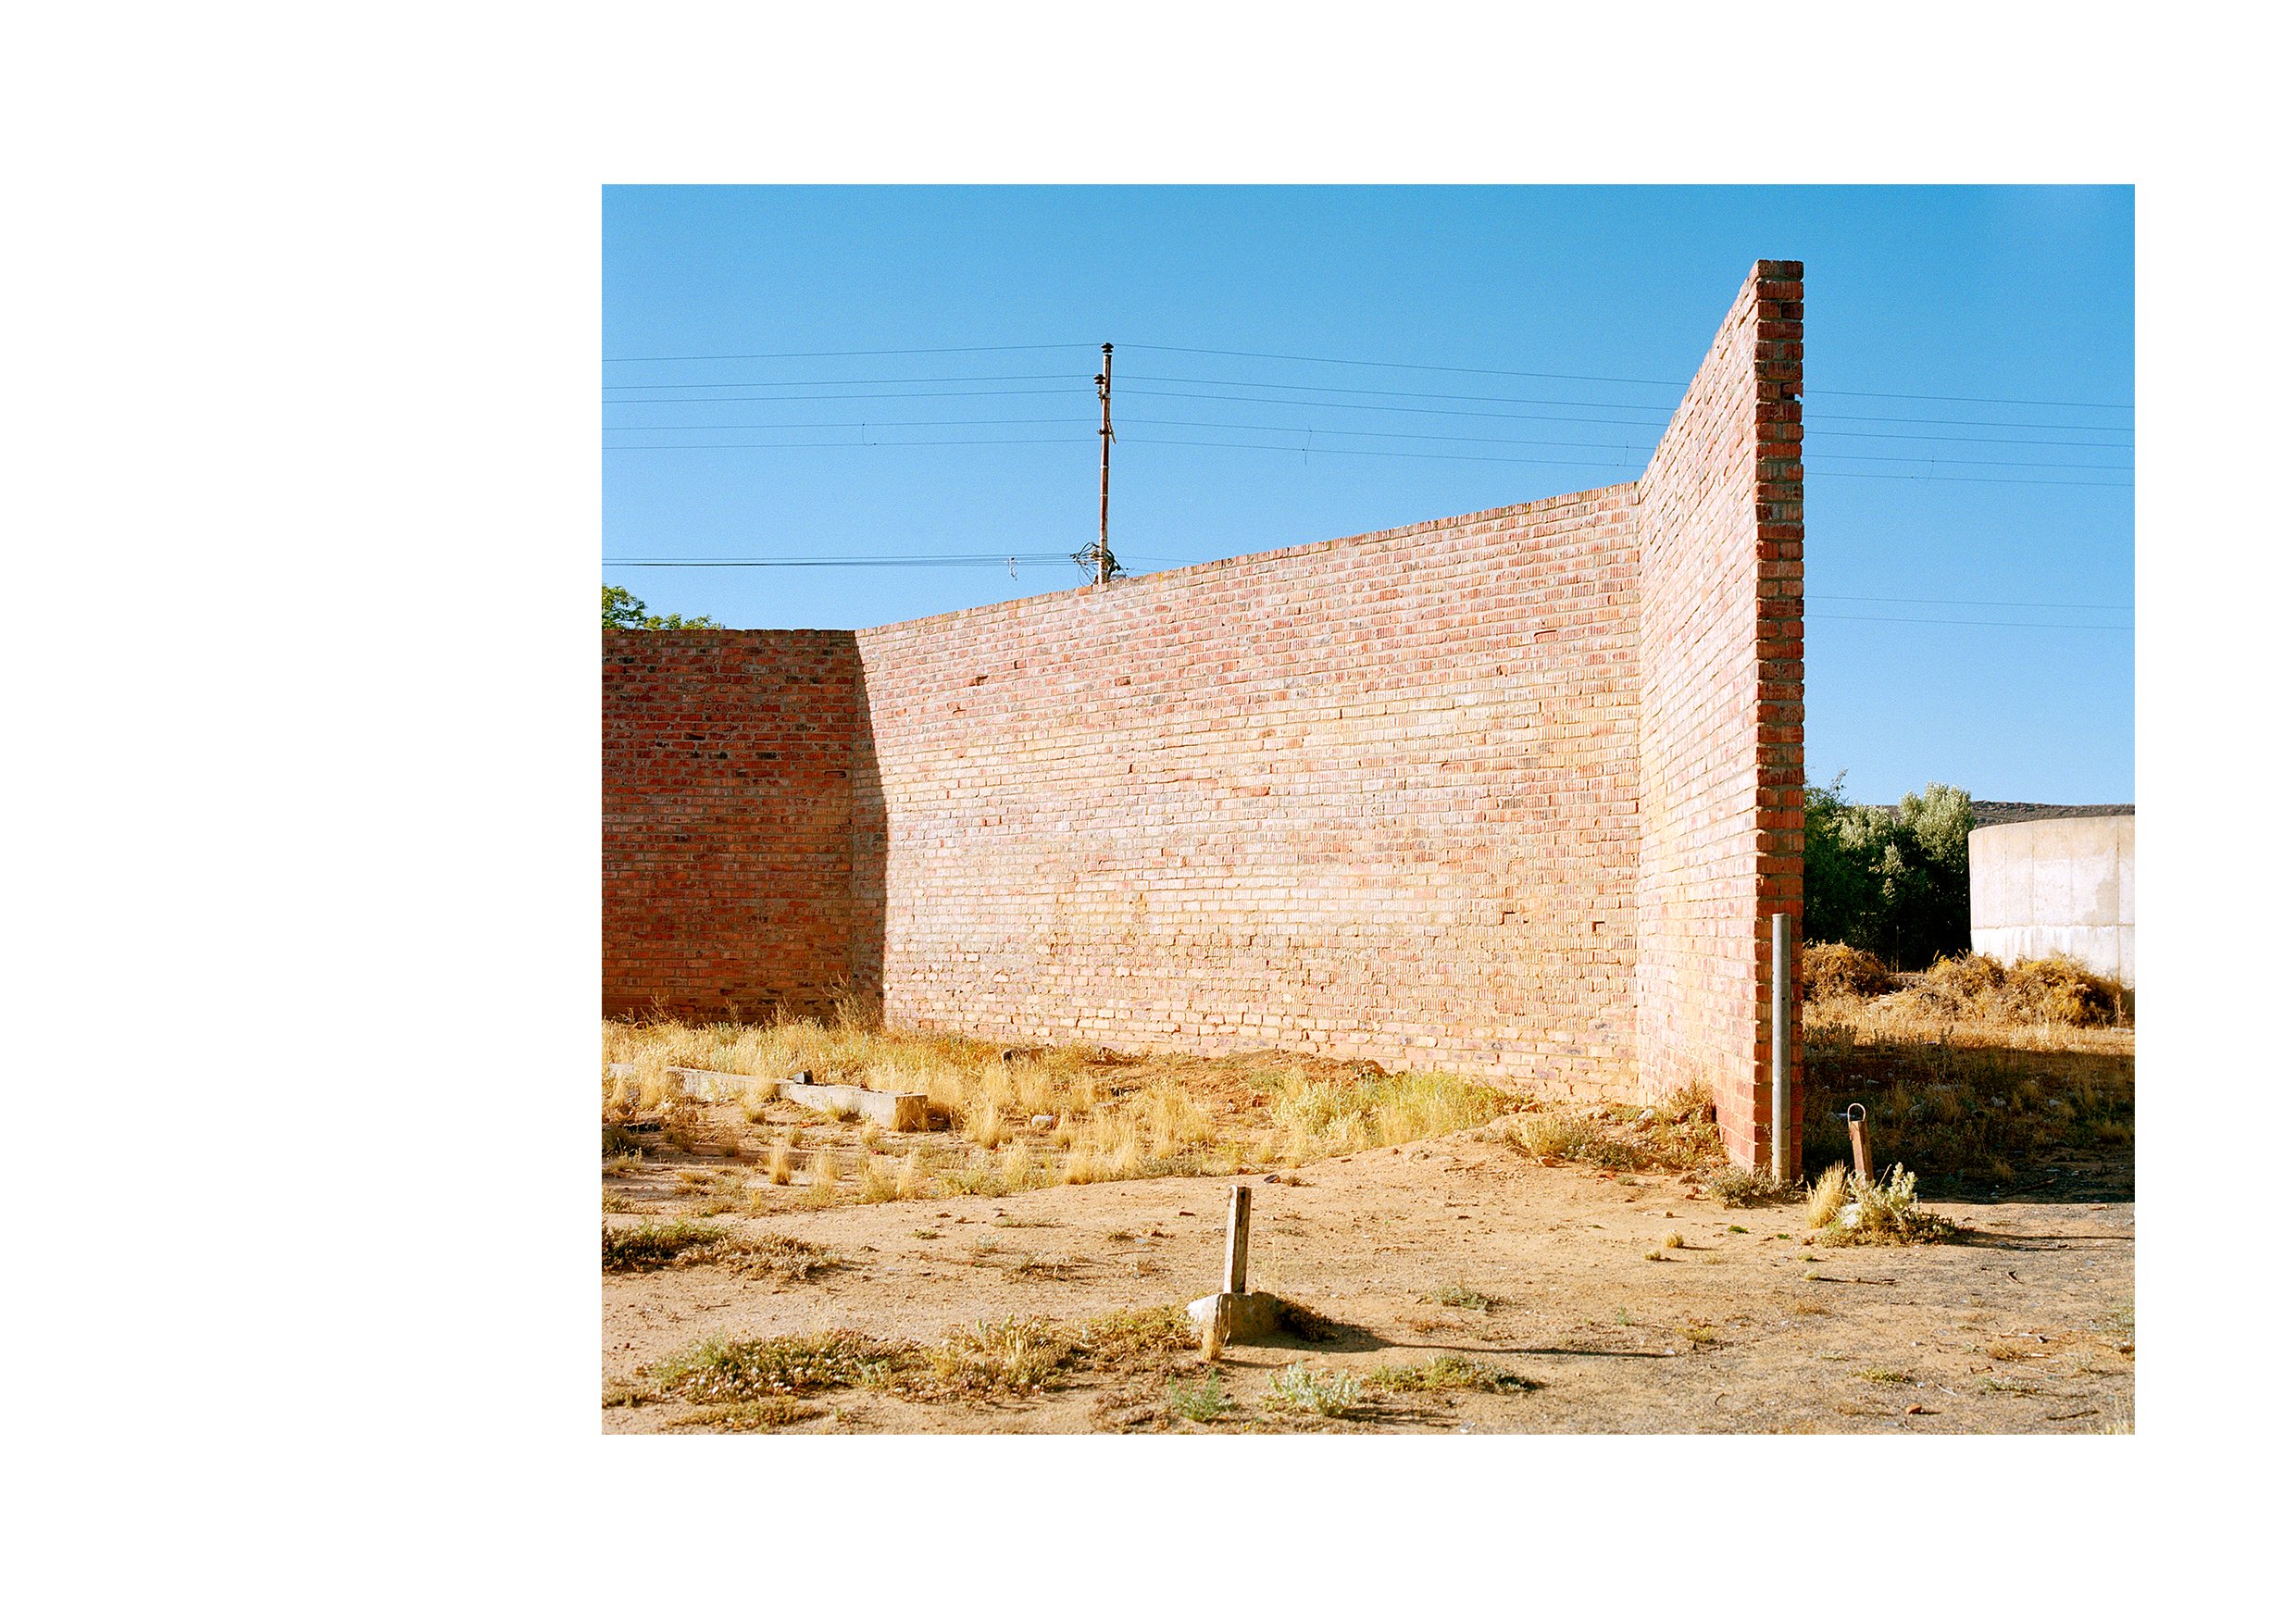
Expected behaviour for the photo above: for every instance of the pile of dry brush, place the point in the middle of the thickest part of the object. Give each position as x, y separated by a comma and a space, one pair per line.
1972, 987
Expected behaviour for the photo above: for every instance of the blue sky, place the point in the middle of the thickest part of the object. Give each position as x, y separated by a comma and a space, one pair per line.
1959, 300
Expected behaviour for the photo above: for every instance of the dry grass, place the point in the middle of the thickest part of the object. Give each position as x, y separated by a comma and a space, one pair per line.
1838, 971
678, 1243
1958, 1105
748, 1416
1460, 1297
988, 1361
1827, 1197
1446, 1372
1973, 1072
1884, 1213
1673, 1134
2046, 1004
1065, 1114
1746, 1188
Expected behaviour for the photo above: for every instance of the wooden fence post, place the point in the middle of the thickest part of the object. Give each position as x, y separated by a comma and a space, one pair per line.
1239, 1239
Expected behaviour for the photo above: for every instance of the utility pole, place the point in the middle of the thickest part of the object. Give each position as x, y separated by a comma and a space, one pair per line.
1105, 564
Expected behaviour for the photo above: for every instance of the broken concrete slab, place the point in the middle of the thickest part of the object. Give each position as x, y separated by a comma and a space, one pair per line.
895, 1110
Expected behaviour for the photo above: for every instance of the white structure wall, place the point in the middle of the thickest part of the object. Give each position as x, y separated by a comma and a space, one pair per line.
2057, 888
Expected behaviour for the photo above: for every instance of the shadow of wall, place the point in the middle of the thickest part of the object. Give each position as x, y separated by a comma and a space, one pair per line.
736, 877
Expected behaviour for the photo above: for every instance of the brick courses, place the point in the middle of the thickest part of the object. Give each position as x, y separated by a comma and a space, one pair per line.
727, 812
1510, 794
1720, 516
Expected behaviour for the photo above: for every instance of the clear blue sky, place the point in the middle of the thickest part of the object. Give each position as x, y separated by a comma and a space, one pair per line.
1958, 295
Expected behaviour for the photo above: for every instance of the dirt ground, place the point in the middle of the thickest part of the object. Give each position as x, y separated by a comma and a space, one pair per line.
2026, 1326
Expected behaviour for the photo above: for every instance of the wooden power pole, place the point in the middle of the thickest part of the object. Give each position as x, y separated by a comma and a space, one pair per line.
1105, 564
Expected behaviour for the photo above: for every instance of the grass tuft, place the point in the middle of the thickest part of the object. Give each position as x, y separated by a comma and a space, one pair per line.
1449, 1371
1459, 1297
1827, 1197
680, 1242
1198, 1402
747, 1415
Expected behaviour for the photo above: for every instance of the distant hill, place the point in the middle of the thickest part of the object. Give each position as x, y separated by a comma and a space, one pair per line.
1996, 813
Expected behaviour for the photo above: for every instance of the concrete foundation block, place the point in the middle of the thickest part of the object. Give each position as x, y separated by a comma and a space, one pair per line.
1253, 1314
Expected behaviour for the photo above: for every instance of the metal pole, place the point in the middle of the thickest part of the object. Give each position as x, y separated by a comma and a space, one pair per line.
1781, 1118
1107, 438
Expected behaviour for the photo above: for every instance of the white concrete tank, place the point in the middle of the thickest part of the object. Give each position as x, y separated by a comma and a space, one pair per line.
2057, 888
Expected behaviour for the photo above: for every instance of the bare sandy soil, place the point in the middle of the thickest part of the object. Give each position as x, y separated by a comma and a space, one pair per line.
2027, 1327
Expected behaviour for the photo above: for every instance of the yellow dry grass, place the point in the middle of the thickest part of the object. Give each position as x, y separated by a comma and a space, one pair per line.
1021, 1119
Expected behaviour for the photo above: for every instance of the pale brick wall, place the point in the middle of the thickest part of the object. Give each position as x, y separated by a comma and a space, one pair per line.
1720, 515
1512, 793
1372, 798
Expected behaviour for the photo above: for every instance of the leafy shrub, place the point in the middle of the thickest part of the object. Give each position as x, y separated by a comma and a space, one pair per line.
1198, 1402
1745, 1188
1884, 1213
1325, 1393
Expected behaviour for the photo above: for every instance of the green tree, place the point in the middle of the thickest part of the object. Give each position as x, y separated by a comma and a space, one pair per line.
624, 611
1895, 881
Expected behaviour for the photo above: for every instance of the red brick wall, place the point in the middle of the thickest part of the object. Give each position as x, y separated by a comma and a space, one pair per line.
1372, 797
1513, 793
1720, 515
729, 825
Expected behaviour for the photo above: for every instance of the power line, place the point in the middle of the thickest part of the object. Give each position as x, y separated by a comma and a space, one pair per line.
1626, 381
1328, 359
1967, 622
825, 383
1494, 415
1429, 410
1335, 433
2070, 606
1948, 477
1022, 559
1384, 454
839, 353
871, 444
1547, 461
1059, 558
824, 425
983, 420
1657, 410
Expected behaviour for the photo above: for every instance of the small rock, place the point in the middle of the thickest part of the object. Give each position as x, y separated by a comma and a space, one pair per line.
1042, 1121
802, 1075
1273, 1180
1915, 1409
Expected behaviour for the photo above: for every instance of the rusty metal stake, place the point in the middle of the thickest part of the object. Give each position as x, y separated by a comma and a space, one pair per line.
1860, 1158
